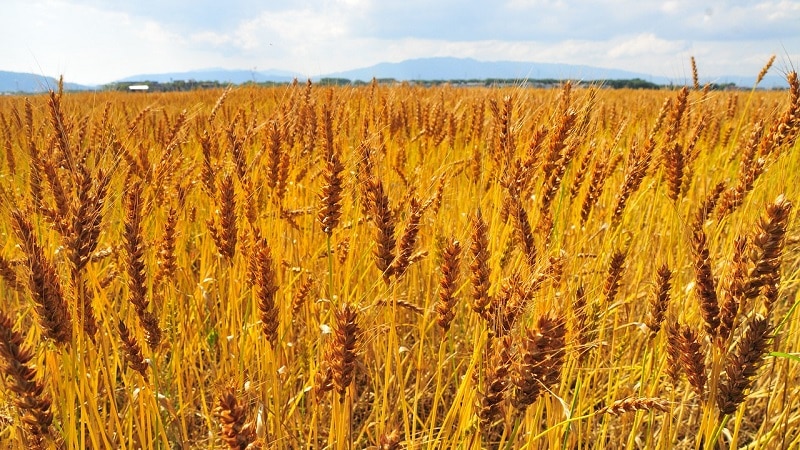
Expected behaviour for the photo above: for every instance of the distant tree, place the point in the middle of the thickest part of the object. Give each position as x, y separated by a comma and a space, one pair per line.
334, 82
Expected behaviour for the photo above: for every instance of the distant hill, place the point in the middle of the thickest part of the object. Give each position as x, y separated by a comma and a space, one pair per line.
219, 75
413, 69
32, 83
427, 69
446, 68
769, 81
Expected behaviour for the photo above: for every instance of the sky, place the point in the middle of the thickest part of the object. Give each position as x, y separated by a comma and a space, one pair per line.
99, 41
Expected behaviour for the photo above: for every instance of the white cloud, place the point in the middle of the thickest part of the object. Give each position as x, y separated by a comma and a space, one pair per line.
211, 38
644, 44
294, 26
671, 7
97, 41
154, 33
527, 4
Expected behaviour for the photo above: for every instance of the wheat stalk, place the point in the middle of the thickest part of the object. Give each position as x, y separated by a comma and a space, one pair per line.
480, 272
133, 351
20, 376
408, 239
705, 287
538, 365
137, 272
451, 260
496, 381
330, 199
341, 355
44, 284
236, 431
266, 288
659, 301
692, 358
763, 72
384, 229
634, 404
742, 365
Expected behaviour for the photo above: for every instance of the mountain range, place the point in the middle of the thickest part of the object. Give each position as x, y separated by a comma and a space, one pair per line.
447, 68
32, 83
440, 68
218, 74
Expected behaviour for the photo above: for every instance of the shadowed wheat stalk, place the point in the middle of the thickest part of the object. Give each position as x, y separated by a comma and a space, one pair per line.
341, 354
236, 431
137, 272
21, 379
538, 364
451, 261
44, 284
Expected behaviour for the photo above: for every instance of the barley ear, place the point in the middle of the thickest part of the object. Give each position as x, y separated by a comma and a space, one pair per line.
695, 78
341, 354
236, 431
408, 239
330, 198
43, 283
659, 301
539, 362
384, 229
705, 288
613, 277
742, 365
634, 404
451, 260
137, 272
692, 358
764, 70
21, 379
496, 381
266, 288
479, 267
133, 351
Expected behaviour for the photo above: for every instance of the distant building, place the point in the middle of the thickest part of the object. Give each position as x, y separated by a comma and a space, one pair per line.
138, 88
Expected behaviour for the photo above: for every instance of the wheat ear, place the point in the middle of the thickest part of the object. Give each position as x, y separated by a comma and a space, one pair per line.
20, 376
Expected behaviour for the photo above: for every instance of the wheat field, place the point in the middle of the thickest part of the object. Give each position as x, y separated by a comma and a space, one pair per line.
392, 266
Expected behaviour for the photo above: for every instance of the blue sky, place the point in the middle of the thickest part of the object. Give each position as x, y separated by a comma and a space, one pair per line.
98, 41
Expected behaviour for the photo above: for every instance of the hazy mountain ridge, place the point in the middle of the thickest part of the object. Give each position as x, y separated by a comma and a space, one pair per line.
447, 68
218, 74
440, 68
33, 83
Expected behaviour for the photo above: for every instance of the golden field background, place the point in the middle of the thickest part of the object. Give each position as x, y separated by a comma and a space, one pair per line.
392, 266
